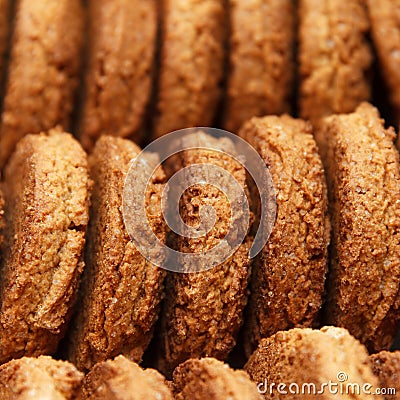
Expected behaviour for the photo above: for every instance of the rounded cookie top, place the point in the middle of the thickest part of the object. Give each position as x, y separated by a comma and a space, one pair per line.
289, 274
122, 41
261, 67
39, 378
47, 196
334, 57
208, 378
310, 357
191, 65
121, 290
43, 70
363, 175
121, 379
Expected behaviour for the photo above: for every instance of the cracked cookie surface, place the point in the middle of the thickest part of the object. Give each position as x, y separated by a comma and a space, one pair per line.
46, 189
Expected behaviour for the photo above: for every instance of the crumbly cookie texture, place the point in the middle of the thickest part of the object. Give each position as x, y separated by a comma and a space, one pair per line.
334, 57
47, 199
39, 378
121, 290
192, 60
120, 69
121, 379
208, 378
203, 311
363, 175
312, 357
386, 366
288, 278
385, 28
261, 67
43, 70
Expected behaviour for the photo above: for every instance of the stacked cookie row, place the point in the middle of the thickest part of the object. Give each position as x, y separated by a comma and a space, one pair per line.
48, 185
278, 368
149, 66
63, 211
122, 379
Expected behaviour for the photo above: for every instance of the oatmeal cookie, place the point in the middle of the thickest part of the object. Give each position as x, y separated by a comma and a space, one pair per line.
289, 274
47, 199
43, 71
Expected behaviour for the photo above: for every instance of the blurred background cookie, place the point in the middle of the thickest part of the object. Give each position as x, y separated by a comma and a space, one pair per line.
385, 29
121, 379
208, 378
311, 357
43, 69
203, 311
191, 64
118, 77
386, 365
363, 175
5, 28
334, 57
261, 67
288, 276
121, 290
39, 378
46, 191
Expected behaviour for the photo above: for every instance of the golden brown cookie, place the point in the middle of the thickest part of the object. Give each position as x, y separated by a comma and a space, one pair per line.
261, 67
121, 379
289, 274
39, 378
211, 379
121, 290
363, 175
304, 361
5, 25
46, 191
334, 57
43, 70
203, 311
385, 27
122, 40
386, 366
192, 61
